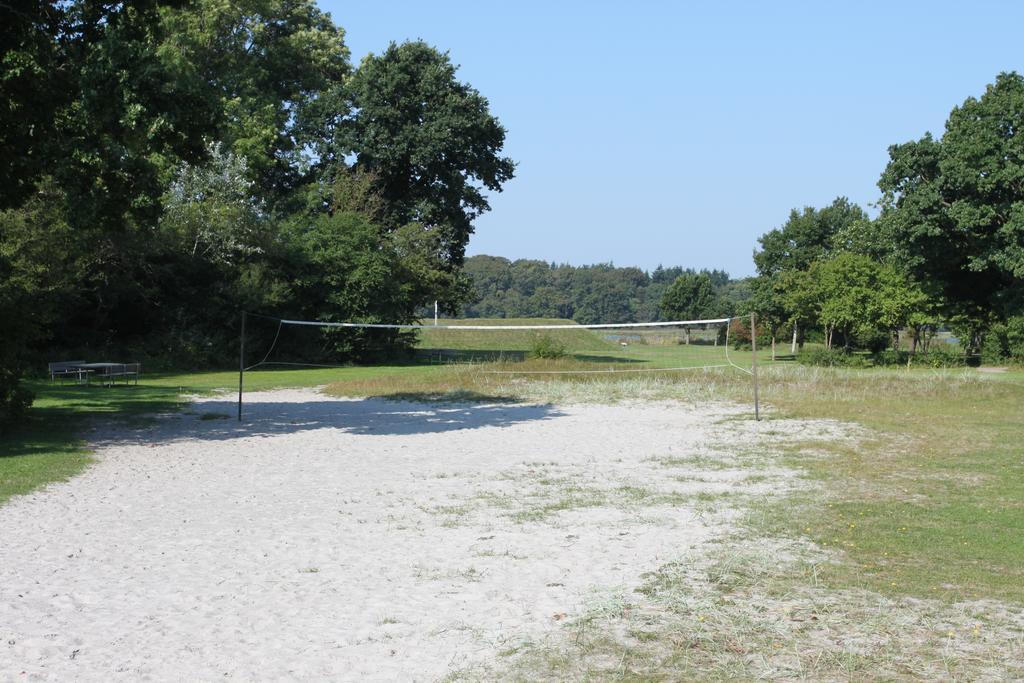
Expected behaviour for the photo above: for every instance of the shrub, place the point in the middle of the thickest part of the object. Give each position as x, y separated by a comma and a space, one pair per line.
994, 347
14, 398
546, 346
941, 356
833, 358
1004, 342
1015, 338
876, 342
739, 334
889, 357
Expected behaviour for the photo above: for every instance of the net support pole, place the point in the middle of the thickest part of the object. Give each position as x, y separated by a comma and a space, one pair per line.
241, 366
753, 363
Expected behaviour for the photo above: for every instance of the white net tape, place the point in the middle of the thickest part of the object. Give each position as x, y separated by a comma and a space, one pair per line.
468, 326
533, 348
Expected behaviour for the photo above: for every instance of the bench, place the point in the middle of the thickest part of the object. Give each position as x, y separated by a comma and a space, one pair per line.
67, 368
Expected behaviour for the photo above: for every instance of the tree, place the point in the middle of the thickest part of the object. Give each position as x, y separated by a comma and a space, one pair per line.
857, 296
845, 293
491, 277
429, 138
768, 302
690, 297
212, 210
954, 207
31, 90
343, 271
807, 236
263, 74
36, 270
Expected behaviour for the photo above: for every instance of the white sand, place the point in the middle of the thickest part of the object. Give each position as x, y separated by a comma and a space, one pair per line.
345, 539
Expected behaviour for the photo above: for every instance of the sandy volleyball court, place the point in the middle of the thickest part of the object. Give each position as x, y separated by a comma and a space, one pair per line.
352, 539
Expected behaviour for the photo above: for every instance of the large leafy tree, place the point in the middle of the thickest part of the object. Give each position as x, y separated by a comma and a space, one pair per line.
690, 297
135, 90
954, 207
430, 140
808, 236
258, 71
857, 296
37, 271
32, 87
212, 212
767, 300
196, 156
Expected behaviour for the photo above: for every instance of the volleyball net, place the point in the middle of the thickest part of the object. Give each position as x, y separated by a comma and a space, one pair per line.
531, 348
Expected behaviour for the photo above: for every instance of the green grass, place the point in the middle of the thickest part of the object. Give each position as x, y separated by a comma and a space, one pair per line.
932, 503
574, 338
618, 349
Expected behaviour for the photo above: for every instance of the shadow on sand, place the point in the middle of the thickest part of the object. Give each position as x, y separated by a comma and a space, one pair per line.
213, 420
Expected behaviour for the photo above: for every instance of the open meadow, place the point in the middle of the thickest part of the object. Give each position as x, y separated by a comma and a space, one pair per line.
439, 521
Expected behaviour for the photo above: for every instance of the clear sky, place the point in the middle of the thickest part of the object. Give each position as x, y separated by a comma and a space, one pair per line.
677, 133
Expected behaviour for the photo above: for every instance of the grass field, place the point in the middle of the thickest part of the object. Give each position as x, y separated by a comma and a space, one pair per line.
611, 348
926, 503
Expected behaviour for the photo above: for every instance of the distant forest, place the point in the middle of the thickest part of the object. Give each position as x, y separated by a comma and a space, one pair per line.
601, 293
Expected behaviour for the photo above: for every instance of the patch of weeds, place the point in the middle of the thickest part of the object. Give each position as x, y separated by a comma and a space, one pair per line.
496, 500
454, 514
643, 636
703, 461
472, 574
451, 510
570, 498
634, 493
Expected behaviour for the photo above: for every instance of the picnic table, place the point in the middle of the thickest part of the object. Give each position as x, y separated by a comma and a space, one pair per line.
106, 371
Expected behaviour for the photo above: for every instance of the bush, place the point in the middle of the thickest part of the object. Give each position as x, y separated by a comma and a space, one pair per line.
1004, 342
15, 399
1015, 338
941, 356
546, 346
889, 357
876, 343
832, 358
994, 348
739, 335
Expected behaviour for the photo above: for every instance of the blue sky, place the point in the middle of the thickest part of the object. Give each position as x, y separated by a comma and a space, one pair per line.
677, 133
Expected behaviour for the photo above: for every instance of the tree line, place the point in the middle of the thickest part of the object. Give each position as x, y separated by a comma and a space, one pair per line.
601, 293
946, 249
167, 164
